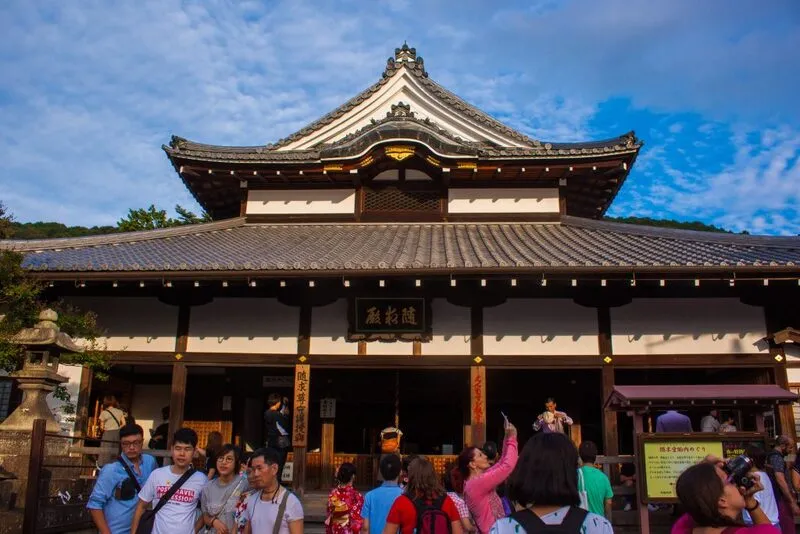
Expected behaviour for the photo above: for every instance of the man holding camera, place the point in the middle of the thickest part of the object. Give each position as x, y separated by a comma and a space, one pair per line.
552, 420
113, 498
277, 425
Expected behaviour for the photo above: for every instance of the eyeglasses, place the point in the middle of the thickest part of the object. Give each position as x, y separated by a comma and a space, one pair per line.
131, 444
226, 460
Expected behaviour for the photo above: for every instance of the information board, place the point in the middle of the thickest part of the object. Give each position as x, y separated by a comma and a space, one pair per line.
665, 460
663, 457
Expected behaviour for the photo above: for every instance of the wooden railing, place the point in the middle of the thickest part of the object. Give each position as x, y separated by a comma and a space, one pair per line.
609, 465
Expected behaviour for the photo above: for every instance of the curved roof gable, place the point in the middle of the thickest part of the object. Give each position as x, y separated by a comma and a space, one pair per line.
405, 80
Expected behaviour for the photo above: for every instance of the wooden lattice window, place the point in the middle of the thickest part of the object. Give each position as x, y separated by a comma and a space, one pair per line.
396, 199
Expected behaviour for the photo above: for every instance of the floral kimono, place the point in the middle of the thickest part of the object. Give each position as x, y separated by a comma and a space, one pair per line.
344, 511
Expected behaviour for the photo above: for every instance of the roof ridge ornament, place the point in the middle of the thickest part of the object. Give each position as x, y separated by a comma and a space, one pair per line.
405, 55
400, 109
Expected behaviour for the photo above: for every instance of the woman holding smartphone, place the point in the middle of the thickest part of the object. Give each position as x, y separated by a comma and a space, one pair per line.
482, 479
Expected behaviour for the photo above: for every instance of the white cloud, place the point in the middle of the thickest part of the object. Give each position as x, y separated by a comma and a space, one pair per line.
757, 191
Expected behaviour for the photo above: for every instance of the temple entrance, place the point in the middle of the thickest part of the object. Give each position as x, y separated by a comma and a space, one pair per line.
521, 393
430, 406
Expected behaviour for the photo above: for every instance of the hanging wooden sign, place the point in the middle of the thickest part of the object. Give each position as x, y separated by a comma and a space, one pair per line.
389, 318
302, 392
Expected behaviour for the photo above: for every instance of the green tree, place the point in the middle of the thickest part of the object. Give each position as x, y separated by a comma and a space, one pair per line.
22, 297
669, 223
152, 218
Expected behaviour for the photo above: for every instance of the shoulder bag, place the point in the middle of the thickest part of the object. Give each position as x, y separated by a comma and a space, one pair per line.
532, 524
148, 519
130, 487
281, 512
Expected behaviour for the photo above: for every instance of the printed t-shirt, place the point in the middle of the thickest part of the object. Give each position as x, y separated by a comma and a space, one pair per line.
593, 524
404, 513
262, 514
178, 515
598, 489
377, 504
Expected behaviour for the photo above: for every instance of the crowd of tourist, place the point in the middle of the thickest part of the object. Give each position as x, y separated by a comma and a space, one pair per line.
550, 485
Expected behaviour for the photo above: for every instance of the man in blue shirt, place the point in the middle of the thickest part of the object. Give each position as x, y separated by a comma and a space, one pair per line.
379, 501
673, 421
114, 497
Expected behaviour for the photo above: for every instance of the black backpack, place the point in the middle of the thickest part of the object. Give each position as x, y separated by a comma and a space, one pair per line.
431, 519
532, 524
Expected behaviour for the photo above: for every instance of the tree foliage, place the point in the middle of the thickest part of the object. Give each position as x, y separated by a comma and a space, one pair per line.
22, 298
152, 218
669, 223
51, 230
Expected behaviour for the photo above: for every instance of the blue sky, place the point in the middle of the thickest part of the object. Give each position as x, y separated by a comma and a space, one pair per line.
91, 89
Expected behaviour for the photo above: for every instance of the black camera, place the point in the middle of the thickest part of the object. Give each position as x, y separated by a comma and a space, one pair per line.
738, 470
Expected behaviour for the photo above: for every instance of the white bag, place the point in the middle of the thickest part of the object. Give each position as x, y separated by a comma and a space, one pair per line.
582, 491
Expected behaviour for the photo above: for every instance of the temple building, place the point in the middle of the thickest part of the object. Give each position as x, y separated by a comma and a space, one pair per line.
408, 259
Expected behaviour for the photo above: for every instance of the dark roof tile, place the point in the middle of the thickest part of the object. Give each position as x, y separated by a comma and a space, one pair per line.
392, 247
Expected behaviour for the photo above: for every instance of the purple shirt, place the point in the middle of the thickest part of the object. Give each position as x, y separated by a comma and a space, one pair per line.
673, 421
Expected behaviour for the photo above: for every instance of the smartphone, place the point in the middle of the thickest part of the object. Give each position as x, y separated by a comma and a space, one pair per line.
504, 416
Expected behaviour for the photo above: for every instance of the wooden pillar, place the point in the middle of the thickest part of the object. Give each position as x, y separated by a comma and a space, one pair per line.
785, 411
644, 513
302, 389
326, 454
83, 409
610, 431
477, 374
177, 398
477, 380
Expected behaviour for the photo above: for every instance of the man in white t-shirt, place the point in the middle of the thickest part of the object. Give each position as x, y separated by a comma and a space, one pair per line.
264, 506
177, 516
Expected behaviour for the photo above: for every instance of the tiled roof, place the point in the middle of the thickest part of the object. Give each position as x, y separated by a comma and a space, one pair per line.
399, 248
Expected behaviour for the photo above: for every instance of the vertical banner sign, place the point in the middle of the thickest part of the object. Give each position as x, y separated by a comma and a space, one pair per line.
302, 392
477, 375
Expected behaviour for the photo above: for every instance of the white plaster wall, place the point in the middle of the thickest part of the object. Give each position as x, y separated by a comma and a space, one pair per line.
66, 418
329, 330
792, 351
540, 327
148, 399
246, 325
687, 326
503, 200
402, 87
452, 327
390, 348
793, 375
301, 202
133, 323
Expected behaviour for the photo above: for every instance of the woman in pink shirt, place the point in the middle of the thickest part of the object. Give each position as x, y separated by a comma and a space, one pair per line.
482, 480
714, 504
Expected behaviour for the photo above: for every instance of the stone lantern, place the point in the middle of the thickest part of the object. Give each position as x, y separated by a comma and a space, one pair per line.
39, 376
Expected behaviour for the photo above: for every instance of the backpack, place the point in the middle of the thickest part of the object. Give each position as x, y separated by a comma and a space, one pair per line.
532, 524
431, 519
